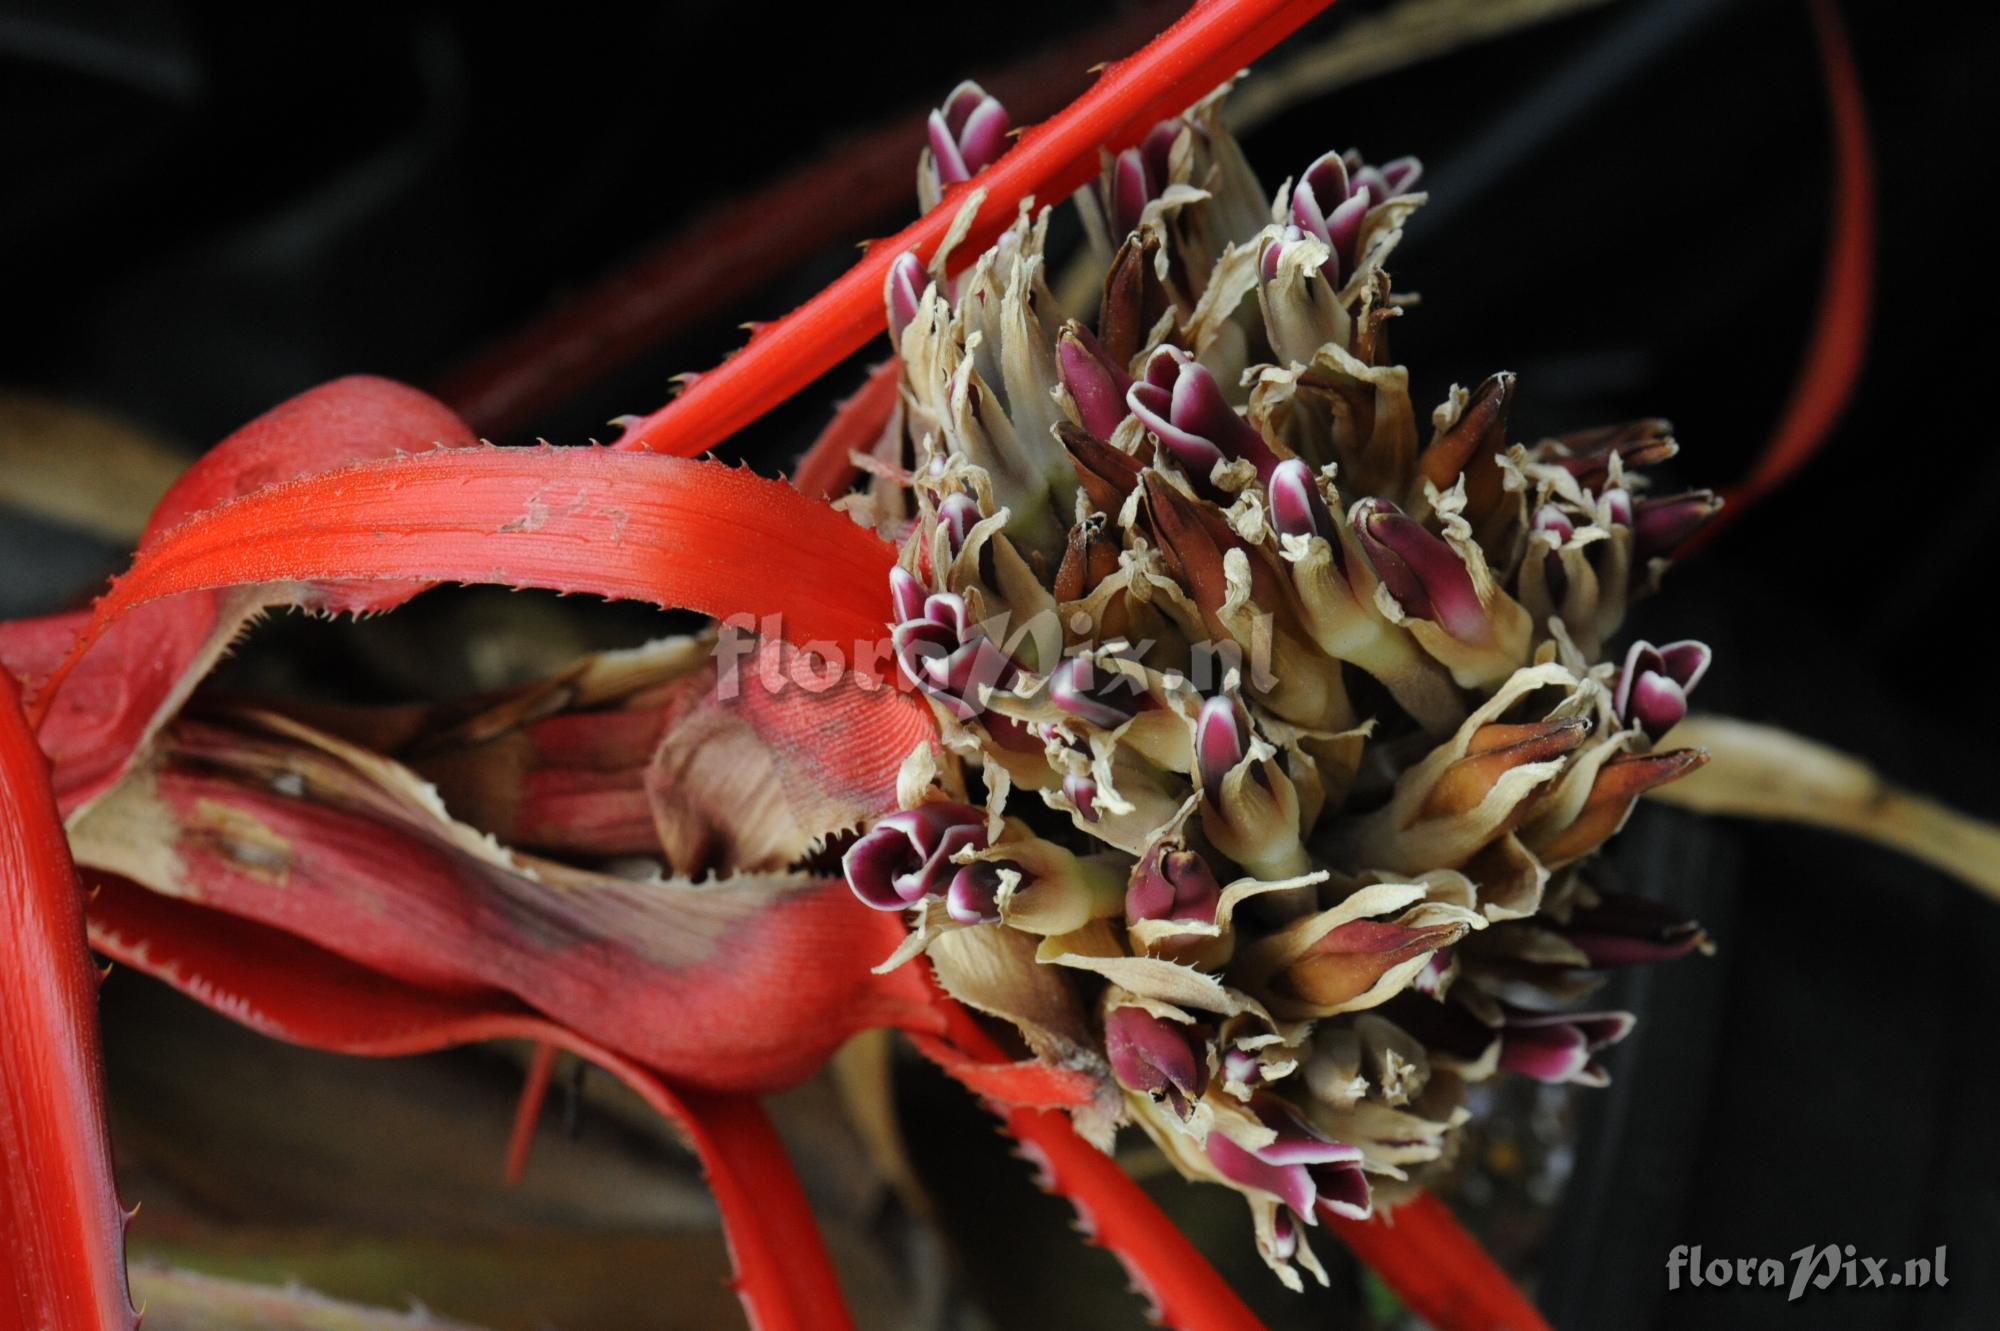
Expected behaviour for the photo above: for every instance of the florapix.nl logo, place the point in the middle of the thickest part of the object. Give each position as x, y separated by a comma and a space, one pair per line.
1809, 1268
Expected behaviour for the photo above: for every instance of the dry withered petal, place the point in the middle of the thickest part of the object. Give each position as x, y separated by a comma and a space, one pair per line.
1620, 783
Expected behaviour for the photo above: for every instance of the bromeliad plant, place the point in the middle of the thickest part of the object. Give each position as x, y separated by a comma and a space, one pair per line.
1238, 752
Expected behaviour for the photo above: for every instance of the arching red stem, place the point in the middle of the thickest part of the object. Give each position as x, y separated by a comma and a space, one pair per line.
696, 535
1203, 49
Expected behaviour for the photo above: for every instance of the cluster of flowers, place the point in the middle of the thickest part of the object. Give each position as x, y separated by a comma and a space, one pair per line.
1276, 743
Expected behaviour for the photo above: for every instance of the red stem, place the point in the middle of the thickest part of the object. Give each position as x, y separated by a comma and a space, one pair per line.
1839, 342
61, 1226
1439, 1271
528, 1112
1186, 1291
1203, 49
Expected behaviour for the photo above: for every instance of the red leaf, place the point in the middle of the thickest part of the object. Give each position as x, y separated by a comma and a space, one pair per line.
697, 535
60, 1223
1206, 46
278, 984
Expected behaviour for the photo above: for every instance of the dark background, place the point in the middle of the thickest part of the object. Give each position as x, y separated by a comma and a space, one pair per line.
206, 209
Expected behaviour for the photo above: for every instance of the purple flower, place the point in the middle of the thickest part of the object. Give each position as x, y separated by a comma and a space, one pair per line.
906, 856
968, 133
1157, 1057
1172, 885
946, 657
1653, 687
1332, 199
1304, 1168
1105, 699
1180, 402
1558, 1046
1425, 575
974, 894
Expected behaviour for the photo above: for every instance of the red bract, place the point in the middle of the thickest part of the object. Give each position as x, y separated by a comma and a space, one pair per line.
60, 1223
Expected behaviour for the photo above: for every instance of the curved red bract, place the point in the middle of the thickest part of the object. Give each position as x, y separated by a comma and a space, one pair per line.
678, 533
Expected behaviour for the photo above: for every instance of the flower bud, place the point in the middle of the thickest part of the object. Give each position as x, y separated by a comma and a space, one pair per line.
1096, 383
1349, 961
1325, 204
1587, 454
1250, 808
958, 515
1082, 792
1422, 572
1296, 506
1155, 1057
1661, 526
1653, 687
1172, 885
1138, 176
906, 856
1494, 751
1106, 472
